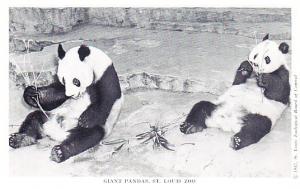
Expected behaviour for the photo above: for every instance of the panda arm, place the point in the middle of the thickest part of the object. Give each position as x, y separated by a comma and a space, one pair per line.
103, 94
276, 85
96, 114
243, 73
49, 97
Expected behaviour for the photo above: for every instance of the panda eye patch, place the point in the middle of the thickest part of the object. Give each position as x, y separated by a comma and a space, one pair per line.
76, 82
267, 59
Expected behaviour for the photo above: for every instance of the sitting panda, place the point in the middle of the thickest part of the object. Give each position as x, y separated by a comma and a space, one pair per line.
250, 107
81, 106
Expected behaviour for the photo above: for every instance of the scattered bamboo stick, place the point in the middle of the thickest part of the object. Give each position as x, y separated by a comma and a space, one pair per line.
155, 134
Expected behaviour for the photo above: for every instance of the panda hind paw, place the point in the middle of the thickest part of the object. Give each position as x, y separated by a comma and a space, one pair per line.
235, 143
17, 140
188, 128
57, 154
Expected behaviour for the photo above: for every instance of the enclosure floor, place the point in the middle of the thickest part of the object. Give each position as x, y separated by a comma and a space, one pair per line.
202, 154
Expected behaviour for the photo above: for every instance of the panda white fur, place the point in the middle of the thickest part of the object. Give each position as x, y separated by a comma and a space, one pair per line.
82, 106
252, 105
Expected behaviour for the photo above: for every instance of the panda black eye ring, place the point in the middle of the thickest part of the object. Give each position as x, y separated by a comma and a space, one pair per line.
76, 82
267, 59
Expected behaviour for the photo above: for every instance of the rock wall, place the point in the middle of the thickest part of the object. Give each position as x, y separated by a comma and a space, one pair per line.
156, 17
220, 20
46, 20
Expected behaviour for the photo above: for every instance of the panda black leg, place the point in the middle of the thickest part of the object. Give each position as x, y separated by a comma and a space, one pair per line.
79, 140
29, 131
255, 127
195, 121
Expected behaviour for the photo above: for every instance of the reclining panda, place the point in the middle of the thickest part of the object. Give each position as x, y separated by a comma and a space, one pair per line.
81, 107
251, 106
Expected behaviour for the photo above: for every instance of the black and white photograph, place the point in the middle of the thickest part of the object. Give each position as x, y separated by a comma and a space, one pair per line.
148, 92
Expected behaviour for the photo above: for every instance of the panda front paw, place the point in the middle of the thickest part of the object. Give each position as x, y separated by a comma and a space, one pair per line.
246, 69
188, 128
83, 122
264, 80
87, 120
31, 96
18, 140
243, 73
57, 154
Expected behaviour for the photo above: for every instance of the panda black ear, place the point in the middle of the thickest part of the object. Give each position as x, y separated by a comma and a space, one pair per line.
61, 52
83, 52
266, 37
284, 47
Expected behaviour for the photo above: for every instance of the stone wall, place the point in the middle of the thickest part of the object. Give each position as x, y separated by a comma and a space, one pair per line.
46, 20
58, 20
154, 17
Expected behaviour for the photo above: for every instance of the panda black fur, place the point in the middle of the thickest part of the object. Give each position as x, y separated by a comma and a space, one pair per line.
82, 105
252, 105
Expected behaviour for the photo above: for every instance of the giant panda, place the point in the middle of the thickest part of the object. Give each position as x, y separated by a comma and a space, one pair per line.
81, 106
250, 107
